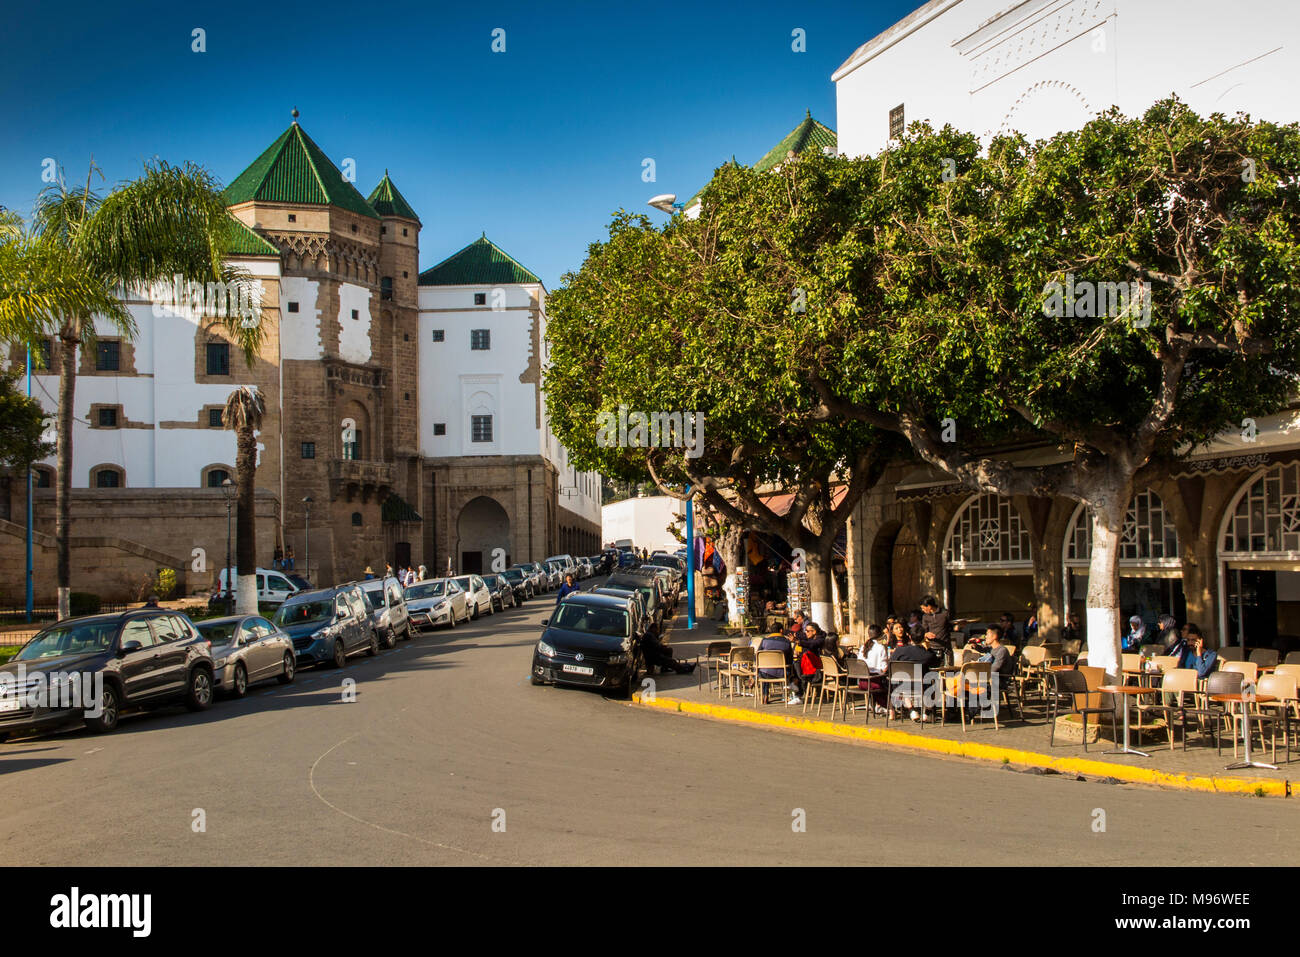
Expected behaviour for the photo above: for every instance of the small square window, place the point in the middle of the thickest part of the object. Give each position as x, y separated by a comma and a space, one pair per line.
293, 218
440, 428
214, 419
480, 299
405, 274
480, 339
354, 314
108, 358
403, 230
480, 428
309, 450
108, 418
293, 307
354, 227
383, 230
439, 335
218, 358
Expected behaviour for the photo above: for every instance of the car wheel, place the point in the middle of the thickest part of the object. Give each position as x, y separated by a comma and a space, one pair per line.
290, 669
373, 648
451, 620
406, 632
391, 640
198, 690
477, 612
110, 709
241, 681
536, 680
340, 654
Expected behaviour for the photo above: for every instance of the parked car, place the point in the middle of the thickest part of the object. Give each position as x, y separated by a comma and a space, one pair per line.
554, 574
247, 649
520, 582
94, 668
590, 640
503, 593
585, 569
666, 580
328, 625
392, 621
541, 576
627, 559
647, 585
608, 558
566, 562
273, 586
477, 594
437, 602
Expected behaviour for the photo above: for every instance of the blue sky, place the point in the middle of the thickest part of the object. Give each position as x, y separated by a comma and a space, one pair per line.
537, 146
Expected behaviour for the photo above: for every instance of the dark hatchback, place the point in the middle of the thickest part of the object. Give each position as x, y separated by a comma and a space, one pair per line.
591, 640
94, 668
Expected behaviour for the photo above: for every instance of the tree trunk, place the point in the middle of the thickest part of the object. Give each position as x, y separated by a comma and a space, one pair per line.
818, 567
1108, 505
63, 493
733, 554
246, 522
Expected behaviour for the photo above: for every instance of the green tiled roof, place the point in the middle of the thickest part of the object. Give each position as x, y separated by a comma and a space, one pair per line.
481, 263
809, 134
397, 509
806, 136
244, 242
387, 201
295, 170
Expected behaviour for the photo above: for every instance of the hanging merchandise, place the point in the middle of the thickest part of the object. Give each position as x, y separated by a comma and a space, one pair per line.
798, 594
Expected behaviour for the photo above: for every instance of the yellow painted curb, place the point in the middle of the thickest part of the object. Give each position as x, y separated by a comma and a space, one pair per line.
969, 749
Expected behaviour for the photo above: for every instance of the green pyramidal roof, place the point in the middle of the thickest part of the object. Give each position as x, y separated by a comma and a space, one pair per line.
808, 135
242, 241
481, 263
387, 201
295, 170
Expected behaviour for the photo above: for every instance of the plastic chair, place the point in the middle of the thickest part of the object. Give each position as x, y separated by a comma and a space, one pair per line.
975, 685
711, 662
1231, 653
832, 683
1182, 682
739, 668
906, 680
1264, 657
1072, 688
771, 661
856, 671
1274, 713
1248, 669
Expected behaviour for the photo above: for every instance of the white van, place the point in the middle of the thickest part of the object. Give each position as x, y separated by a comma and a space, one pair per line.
272, 585
568, 565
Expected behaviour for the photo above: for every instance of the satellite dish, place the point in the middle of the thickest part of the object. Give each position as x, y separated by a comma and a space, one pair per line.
664, 202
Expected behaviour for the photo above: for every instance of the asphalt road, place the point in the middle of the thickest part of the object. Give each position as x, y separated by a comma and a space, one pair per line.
447, 738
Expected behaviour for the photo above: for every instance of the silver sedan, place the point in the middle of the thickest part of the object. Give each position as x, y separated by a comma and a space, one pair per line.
247, 649
438, 602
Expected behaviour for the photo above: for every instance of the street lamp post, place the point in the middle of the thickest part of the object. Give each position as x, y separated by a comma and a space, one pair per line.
306, 536
228, 492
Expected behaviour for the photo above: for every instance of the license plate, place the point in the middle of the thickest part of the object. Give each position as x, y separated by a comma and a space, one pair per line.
579, 670
11, 704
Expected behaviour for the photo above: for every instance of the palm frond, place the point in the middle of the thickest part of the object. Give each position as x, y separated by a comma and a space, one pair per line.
244, 409
40, 287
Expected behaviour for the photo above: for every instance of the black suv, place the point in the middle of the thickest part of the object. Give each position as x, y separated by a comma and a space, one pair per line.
96, 667
591, 640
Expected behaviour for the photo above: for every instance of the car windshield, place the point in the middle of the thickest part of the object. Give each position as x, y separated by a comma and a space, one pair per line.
218, 632
302, 583
83, 639
513, 574
304, 612
375, 593
427, 590
463, 583
598, 621
491, 580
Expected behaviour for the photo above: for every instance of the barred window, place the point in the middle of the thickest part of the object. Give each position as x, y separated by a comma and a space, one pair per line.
480, 428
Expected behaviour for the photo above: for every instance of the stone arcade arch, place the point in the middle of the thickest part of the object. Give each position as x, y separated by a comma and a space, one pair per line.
1259, 559
987, 559
482, 526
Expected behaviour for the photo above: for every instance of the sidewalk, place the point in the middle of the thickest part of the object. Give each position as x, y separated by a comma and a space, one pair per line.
1019, 744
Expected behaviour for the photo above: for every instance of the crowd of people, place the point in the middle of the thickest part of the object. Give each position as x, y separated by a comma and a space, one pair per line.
406, 575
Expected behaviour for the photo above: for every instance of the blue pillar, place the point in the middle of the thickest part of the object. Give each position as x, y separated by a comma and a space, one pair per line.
690, 564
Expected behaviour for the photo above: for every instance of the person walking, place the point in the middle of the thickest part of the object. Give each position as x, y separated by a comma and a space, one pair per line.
568, 588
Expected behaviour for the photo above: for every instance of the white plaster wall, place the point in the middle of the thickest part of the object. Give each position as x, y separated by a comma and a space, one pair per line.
450, 371
644, 520
354, 334
1049, 65
299, 331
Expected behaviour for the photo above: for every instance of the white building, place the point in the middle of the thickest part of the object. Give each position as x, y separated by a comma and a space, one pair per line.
1041, 66
500, 478
643, 521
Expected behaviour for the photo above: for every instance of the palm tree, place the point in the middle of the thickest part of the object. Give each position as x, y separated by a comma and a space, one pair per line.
83, 253
243, 414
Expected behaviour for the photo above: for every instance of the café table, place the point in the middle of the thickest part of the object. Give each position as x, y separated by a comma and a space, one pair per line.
1245, 700
1127, 691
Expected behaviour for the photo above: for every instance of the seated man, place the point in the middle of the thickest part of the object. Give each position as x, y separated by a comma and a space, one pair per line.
779, 642
659, 655
1004, 666
1194, 652
929, 660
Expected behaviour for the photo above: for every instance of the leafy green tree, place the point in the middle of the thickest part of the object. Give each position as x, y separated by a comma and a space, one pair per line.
1197, 219
84, 250
22, 427
709, 316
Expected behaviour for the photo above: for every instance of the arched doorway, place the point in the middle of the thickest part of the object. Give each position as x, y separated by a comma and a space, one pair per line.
483, 526
1150, 566
988, 568
1259, 561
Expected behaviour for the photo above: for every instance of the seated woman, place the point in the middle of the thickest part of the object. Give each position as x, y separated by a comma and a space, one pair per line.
876, 655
